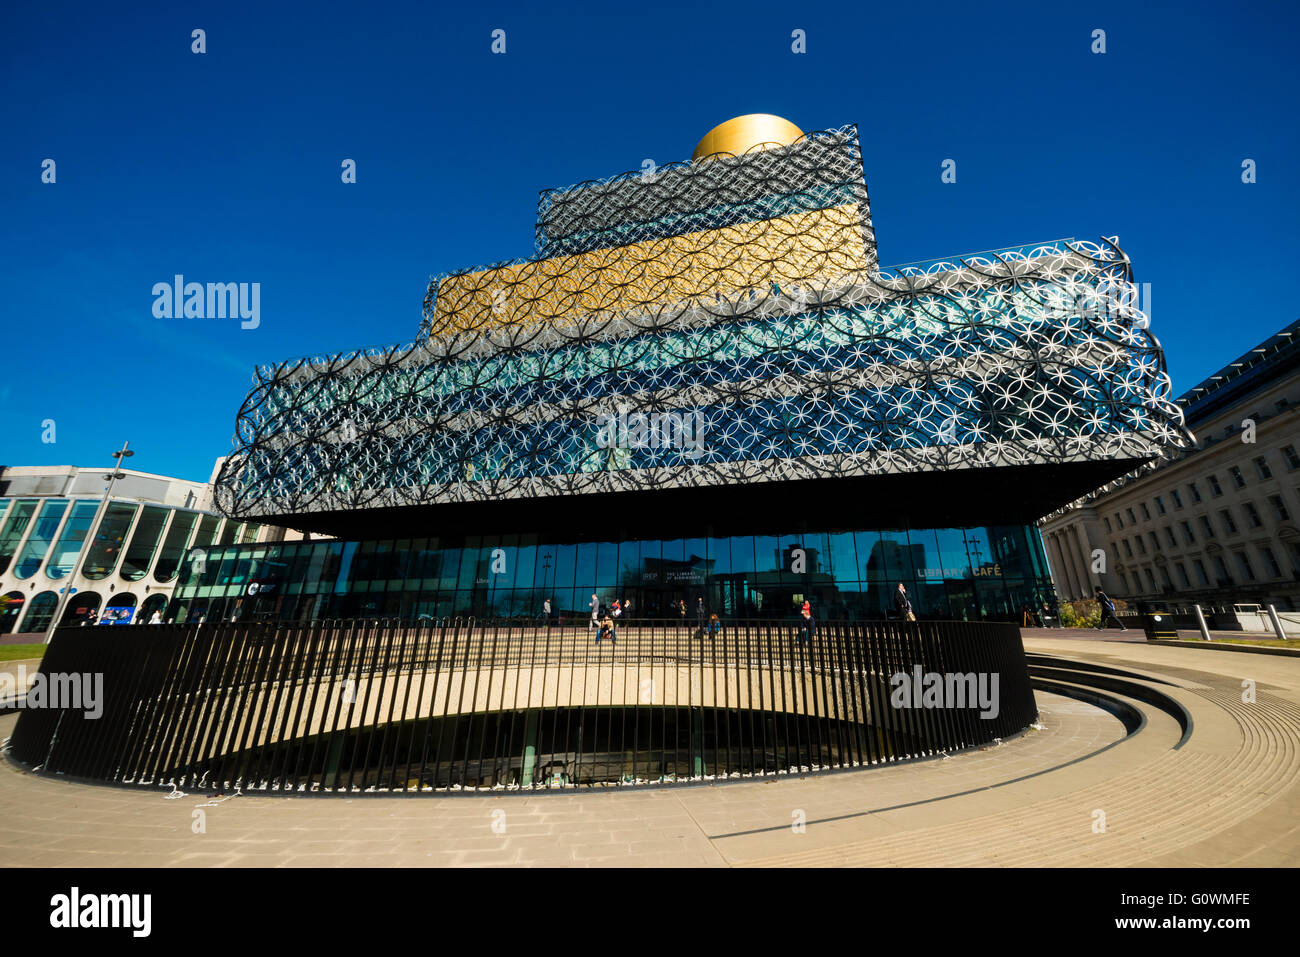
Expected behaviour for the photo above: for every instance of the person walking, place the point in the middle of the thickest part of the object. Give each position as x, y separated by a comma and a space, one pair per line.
595, 611
699, 612
546, 612
1108, 610
903, 604
807, 626
681, 612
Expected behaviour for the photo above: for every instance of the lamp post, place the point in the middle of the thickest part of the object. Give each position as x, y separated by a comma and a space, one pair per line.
111, 477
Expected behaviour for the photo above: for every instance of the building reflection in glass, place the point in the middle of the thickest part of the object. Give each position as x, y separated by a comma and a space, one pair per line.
989, 572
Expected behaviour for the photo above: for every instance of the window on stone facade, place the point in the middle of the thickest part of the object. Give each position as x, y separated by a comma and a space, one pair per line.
1201, 577
1244, 564
1261, 467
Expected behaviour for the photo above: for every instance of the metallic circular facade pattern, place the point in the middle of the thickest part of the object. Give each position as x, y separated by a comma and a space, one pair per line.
791, 356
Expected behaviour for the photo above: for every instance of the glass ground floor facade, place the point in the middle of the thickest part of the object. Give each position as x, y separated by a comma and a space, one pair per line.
974, 573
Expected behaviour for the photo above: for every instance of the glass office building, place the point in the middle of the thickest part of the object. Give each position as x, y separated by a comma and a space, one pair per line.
702, 385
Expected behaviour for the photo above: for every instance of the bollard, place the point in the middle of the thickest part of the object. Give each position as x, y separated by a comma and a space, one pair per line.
1277, 622
1200, 620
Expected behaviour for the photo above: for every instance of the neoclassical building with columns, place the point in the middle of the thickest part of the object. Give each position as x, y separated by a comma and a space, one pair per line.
1217, 523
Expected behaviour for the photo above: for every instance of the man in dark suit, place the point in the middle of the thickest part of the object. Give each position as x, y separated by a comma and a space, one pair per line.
903, 604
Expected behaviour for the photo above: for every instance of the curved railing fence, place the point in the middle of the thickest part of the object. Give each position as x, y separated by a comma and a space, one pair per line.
395, 706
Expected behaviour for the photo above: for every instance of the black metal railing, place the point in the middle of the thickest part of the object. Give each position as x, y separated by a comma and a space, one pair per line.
395, 706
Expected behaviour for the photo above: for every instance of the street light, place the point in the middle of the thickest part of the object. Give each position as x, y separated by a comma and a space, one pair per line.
110, 477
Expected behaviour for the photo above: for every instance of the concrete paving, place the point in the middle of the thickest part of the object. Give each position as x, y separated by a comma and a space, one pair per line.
1075, 793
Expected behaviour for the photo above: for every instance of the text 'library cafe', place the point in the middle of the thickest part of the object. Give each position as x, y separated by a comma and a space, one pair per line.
702, 385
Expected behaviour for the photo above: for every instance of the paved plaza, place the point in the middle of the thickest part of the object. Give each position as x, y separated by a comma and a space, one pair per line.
1075, 792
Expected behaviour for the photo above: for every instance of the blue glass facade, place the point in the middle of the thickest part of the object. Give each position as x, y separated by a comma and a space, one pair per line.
988, 572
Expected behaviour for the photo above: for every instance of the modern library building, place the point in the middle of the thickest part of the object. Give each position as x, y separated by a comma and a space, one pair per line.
702, 396
702, 387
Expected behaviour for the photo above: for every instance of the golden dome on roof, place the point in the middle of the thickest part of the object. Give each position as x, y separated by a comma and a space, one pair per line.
743, 133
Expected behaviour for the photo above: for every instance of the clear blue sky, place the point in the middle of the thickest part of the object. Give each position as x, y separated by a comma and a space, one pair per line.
225, 167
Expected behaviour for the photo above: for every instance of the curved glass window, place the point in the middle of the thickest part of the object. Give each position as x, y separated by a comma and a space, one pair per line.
119, 610
169, 558
144, 542
41, 538
80, 607
68, 548
11, 533
11, 606
106, 547
156, 602
39, 611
